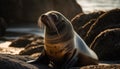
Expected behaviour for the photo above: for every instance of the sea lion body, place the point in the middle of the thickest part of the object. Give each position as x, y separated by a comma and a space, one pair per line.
63, 47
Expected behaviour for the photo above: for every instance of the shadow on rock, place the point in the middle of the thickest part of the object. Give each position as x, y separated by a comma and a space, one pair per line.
13, 62
81, 20
108, 20
26, 40
107, 44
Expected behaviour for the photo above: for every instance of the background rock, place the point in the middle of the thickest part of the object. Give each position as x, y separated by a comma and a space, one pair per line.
25, 40
84, 29
107, 44
105, 21
29, 10
3, 26
80, 20
32, 50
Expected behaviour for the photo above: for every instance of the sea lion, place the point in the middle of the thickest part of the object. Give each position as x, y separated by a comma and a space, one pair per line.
63, 47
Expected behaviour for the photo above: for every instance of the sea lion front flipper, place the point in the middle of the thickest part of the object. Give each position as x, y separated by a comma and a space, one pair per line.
43, 59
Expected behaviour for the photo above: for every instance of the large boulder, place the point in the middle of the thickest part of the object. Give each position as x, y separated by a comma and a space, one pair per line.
107, 44
30, 10
69, 8
107, 20
81, 20
18, 62
84, 29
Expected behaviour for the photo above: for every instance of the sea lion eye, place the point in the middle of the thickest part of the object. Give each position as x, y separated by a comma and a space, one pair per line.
55, 17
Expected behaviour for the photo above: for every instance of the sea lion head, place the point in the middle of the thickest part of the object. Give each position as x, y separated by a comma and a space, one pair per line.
55, 25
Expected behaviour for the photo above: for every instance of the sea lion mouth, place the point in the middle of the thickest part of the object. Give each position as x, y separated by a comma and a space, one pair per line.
51, 21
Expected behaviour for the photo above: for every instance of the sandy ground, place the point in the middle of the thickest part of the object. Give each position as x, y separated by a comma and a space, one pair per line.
5, 49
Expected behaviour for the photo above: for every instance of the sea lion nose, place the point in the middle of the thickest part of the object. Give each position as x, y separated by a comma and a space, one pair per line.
44, 19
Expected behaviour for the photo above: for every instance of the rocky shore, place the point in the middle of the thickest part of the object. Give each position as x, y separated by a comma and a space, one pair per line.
100, 30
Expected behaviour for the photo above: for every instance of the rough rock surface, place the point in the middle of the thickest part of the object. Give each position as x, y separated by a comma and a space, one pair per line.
26, 40
31, 50
18, 62
81, 19
84, 29
111, 66
107, 44
105, 21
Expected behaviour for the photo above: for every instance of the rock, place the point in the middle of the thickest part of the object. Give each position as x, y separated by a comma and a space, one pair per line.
107, 44
84, 29
32, 50
13, 62
62, 6
3, 26
111, 66
37, 42
105, 21
81, 19
36, 46
30, 10
23, 41
19, 62
20, 43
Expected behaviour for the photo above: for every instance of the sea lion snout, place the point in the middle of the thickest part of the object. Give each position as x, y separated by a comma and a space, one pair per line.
44, 20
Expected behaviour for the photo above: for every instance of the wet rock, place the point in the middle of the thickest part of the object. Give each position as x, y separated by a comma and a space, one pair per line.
111, 66
13, 62
20, 43
84, 29
81, 19
9, 62
23, 41
36, 46
37, 42
19, 62
105, 21
3, 26
107, 44
32, 50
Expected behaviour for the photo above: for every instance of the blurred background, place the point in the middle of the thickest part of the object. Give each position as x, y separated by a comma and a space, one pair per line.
93, 5
22, 15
